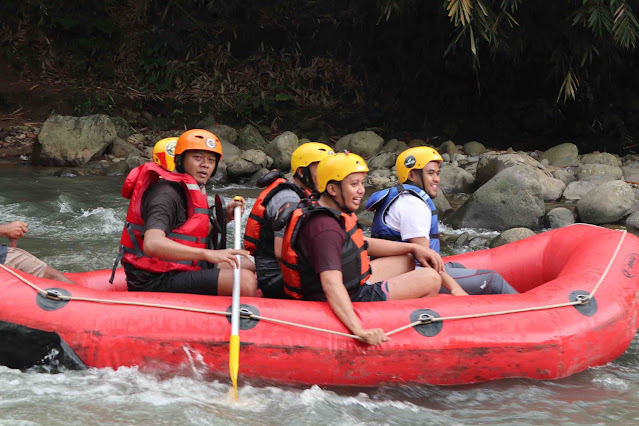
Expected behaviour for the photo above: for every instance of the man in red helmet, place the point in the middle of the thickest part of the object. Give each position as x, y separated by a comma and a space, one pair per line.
163, 245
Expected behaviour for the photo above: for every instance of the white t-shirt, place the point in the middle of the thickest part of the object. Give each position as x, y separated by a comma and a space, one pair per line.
410, 216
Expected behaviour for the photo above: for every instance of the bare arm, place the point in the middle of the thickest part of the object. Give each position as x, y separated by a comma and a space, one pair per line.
425, 256
157, 244
341, 304
447, 281
278, 247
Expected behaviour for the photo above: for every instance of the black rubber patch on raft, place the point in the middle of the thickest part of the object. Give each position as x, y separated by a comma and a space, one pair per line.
587, 309
51, 304
23, 347
430, 329
245, 323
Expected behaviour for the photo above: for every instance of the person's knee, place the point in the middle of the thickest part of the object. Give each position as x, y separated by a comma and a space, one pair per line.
431, 281
248, 282
499, 285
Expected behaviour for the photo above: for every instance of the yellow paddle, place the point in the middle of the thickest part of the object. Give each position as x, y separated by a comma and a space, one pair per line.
234, 341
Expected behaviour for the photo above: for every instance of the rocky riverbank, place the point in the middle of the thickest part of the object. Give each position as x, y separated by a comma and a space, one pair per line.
513, 192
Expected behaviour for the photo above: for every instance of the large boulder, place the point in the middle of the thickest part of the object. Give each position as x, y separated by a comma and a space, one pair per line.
510, 236
120, 148
564, 175
223, 132
565, 154
551, 188
366, 143
394, 145
576, 190
251, 138
381, 178
73, 141
490, 165
384, 160
558, 218
122, 127
448, 147
248, 163
442, 204
511, 199
599, 173
608, 203
281, 149
474, 148
601, 158
454, 180
631, 172
228, 149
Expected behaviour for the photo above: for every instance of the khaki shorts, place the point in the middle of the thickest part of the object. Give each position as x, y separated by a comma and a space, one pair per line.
25, 262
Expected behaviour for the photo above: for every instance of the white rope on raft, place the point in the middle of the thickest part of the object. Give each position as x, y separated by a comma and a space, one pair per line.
581, 300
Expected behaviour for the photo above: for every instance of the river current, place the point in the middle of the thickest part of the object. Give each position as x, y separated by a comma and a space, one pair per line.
74, 225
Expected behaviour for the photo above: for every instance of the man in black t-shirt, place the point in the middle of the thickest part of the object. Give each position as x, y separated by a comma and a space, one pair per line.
171, 242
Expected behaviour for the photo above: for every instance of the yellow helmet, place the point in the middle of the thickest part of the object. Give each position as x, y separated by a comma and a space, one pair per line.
415, 158
308, 153
164, 153
337, 167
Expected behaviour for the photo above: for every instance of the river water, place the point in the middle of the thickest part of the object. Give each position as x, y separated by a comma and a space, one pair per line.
74, 225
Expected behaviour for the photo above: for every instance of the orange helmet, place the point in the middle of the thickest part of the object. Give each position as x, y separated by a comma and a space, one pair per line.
198, 139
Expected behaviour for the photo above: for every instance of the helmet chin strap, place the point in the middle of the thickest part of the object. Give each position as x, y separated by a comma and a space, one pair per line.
307, 179
342, 206
421, 175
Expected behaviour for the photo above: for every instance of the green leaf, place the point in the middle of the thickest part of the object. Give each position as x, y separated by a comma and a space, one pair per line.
283, 97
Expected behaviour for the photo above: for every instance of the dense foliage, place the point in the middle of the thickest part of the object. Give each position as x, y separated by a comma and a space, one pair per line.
453, 67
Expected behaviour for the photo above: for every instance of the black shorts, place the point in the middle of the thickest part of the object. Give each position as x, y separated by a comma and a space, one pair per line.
203, 281
377, 292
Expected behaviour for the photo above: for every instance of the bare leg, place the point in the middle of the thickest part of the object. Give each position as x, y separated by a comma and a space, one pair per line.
248, 282
391, 266
53, 274
424, 282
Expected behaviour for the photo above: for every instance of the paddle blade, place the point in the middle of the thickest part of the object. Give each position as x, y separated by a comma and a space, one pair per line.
234, 361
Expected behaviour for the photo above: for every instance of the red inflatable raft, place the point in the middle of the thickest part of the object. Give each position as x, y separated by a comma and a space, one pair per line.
578, 309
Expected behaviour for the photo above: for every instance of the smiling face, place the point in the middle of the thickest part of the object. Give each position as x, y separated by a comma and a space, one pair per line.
352, 190
430, 173
200, 165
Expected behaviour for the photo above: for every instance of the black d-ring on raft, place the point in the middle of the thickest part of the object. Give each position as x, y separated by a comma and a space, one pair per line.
589, 308
245, 323
52, 303
429, 329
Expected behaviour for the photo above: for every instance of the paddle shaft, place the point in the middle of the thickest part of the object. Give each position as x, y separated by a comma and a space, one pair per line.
235, 306
234, 341
14, 242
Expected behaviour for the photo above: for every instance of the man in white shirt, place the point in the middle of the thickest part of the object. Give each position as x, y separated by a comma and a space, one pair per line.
407, 213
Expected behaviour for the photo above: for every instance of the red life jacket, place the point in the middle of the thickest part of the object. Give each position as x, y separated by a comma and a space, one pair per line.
300, 280
193, 232
259, 238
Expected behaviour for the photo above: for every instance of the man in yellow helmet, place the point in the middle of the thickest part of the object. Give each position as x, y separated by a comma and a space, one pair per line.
407, 213
164, 241
325, 253
260, 239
